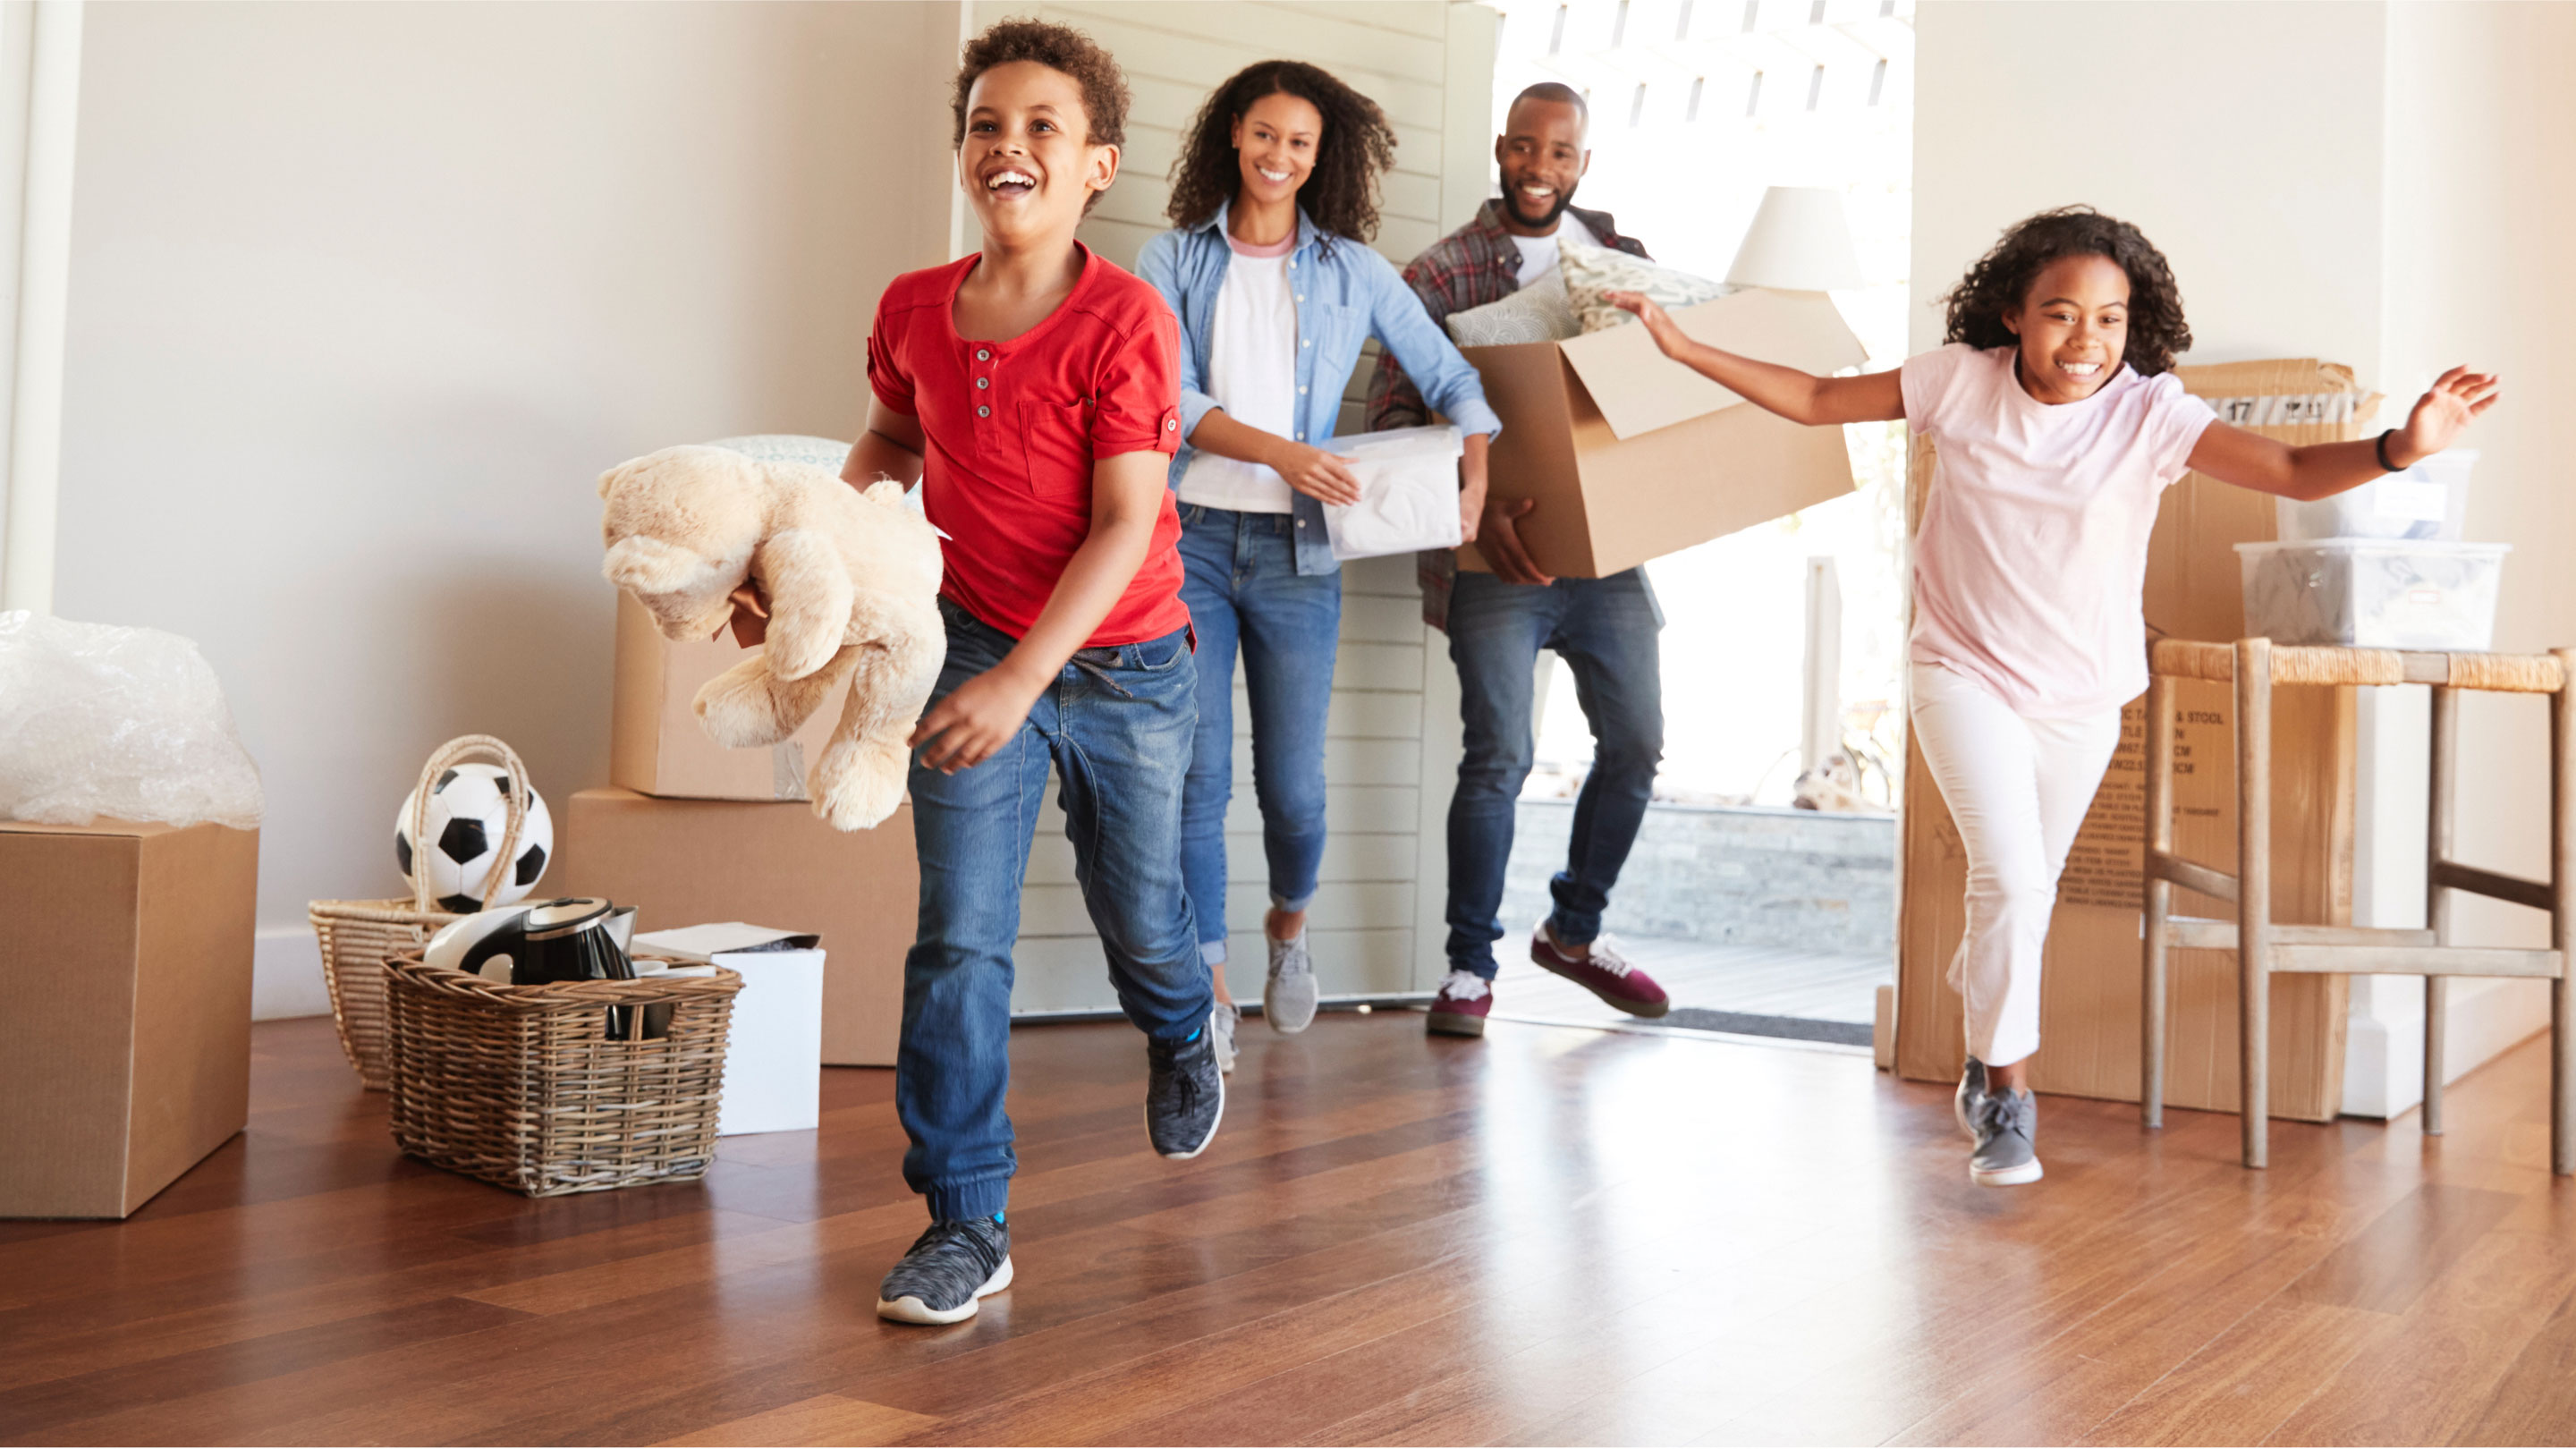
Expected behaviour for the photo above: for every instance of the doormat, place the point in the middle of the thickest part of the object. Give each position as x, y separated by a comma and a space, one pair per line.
1745, 1023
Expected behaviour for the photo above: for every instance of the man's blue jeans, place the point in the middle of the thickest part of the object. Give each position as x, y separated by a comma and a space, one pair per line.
1605, 630
1243, 587
1116, 725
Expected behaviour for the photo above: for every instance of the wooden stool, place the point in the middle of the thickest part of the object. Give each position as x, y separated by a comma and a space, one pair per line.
2263, 948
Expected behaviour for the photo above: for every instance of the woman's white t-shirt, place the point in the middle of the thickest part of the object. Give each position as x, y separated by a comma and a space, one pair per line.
2031, 563
1252, 374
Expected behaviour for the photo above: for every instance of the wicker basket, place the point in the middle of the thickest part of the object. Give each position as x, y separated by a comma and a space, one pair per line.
358, 937
523, 1086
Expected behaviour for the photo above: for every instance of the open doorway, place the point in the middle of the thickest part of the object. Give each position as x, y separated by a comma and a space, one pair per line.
1783, 645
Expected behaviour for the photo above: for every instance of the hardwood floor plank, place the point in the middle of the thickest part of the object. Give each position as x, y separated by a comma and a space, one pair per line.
2389, 1264
825, 1419
2535, 1400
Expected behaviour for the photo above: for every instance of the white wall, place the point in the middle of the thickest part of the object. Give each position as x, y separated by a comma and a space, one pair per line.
1392, 744
2385, 185
363, 299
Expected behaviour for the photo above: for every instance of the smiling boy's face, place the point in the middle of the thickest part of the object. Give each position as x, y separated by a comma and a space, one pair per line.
2073, 326
1027, 162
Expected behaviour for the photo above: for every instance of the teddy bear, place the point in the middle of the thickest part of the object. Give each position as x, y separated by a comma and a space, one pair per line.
853, 583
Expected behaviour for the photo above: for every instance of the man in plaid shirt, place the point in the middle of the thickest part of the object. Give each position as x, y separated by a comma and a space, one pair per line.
1604, 629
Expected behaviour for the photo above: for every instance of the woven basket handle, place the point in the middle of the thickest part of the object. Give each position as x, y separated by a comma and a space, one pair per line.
455, 752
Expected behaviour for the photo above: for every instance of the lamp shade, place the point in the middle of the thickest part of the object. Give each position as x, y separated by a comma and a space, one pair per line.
1799, 242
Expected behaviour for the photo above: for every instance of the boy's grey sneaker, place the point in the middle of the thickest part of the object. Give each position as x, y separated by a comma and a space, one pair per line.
1972, 1093
1288, 999
946, 1271
2007, 1152
1185, 1095
1222, 1026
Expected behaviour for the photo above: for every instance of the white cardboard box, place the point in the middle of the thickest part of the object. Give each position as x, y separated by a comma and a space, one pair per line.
773, 1078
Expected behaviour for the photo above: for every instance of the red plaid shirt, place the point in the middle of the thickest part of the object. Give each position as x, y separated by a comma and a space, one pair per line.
1469, 267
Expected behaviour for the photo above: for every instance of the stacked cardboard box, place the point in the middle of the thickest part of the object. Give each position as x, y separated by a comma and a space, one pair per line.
125, 956
2089, 1000
693, 832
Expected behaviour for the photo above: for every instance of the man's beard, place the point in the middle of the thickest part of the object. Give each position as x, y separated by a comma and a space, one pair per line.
1564, 199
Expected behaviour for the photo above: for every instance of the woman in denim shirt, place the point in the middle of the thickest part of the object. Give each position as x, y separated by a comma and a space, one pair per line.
1276, 289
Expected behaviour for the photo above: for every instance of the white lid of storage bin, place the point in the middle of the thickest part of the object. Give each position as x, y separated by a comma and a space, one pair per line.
1397, 445
2382, 547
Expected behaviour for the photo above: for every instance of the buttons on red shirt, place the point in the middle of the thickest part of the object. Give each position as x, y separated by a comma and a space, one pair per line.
983, 382
984, 411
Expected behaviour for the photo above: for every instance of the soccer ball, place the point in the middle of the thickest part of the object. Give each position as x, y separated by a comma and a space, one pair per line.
469, 812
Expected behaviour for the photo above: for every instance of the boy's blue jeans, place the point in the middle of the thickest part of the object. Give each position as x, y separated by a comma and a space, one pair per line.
1606, 632
1243, 589
1116, 725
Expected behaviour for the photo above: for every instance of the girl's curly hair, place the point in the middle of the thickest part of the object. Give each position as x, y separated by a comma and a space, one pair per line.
2001, 280
1357, 147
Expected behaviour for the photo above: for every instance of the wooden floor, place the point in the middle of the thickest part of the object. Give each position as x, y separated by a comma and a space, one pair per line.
1551, 1236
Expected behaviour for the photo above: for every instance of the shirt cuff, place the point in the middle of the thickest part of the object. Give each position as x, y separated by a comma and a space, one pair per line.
1194, 406
1475, 415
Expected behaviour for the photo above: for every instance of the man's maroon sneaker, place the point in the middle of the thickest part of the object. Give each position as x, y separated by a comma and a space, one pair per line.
1604, 972
1459, 1009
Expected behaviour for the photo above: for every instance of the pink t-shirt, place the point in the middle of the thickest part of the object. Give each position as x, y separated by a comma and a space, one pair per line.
2032, 558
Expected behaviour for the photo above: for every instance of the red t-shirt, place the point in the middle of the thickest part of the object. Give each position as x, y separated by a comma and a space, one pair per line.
1011, 429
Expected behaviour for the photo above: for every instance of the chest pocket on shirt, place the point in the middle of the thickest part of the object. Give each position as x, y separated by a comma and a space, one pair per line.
1057, 437
1338, 332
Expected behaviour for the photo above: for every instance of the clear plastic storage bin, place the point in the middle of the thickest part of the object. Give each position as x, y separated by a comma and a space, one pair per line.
2374, 593
2429, 501
1408, 492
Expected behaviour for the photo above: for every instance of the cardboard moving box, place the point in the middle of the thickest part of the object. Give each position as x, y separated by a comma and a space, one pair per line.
682, 862
2089, 996
125, 956
1632, 456
656, 745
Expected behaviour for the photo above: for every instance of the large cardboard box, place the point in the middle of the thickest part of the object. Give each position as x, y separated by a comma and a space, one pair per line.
125, 956
687, 862
656, 746
2089, 999
1631, 456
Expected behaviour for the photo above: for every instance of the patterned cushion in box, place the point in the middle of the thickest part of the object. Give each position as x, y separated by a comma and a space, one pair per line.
1538, 312
1591, 272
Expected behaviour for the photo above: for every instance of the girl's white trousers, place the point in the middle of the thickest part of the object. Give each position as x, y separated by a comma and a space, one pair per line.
2018, 789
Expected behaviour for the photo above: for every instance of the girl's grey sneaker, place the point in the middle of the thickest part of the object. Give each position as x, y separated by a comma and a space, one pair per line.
1222, 1026
1185, 1093
1972, 1093
1288, 999
946, 1271
2007, 1152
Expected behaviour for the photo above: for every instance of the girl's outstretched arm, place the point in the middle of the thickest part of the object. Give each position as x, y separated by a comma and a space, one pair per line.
1801, 397
2321, 470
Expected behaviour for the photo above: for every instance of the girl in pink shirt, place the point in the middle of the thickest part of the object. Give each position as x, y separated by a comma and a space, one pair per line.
2057, 424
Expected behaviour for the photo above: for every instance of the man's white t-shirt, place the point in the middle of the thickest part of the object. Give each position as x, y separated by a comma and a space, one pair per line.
1538, 253
1252, 374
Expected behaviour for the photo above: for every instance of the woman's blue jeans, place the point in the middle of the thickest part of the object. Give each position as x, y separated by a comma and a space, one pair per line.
1116, 725
1244, 591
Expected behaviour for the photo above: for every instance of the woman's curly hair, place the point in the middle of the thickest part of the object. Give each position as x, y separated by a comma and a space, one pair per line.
2001, 280
1357, 146
1058, 48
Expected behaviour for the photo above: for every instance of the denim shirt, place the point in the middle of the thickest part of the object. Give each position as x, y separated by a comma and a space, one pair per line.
1346, 293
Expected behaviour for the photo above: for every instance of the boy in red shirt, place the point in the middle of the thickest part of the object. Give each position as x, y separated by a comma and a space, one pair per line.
1034, 391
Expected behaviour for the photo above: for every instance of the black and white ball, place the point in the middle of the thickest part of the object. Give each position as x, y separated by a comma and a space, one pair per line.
469, 812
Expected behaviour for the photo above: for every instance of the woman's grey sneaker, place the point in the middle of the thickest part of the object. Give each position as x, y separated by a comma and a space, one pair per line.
1288, 1000
1185, 1095
1972, 1092
945, 1272
1222, 1026
2007, 1152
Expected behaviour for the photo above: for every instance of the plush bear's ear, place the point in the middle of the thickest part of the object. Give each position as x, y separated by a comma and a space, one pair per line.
609, 479
651, 566
885, 491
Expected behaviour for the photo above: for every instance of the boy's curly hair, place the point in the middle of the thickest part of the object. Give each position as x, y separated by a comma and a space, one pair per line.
1058, 48
2001, 281
1356, 148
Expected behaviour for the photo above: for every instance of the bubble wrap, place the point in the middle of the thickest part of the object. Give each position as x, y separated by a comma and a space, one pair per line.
125, 723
